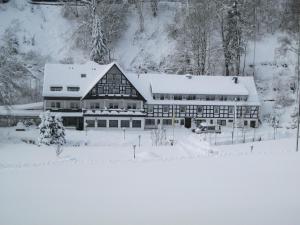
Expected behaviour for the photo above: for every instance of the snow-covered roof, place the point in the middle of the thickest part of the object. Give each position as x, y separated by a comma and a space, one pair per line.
148, 84
65, 75
70, 75
188, 84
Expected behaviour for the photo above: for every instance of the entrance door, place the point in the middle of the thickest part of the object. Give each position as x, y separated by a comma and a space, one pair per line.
79, 125
188, 122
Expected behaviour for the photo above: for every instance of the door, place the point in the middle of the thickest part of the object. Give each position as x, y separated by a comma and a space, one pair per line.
188, 122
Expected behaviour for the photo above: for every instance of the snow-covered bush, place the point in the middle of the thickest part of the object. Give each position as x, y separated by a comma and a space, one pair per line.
52, 131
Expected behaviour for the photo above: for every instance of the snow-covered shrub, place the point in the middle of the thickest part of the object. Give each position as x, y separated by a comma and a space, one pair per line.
52, 131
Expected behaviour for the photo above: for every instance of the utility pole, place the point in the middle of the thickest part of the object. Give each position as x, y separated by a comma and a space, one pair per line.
298, 74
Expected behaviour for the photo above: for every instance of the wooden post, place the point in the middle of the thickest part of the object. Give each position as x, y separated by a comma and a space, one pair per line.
134, 146
140, 140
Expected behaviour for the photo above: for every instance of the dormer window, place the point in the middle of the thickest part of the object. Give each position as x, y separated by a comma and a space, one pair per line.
83, 75
73, 88
56, 88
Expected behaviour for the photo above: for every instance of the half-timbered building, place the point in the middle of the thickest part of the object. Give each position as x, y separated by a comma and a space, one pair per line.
105, 96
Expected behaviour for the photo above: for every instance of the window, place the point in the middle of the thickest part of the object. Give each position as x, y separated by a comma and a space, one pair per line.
252, 123
150, 108
90, 123
124, 123
231, 109
110, 78
167, 122
211, 121
191, 97
73, 88
95, 105
133, 92
216, 109
116, 90
150, 122
127, 91
56, 88
247, 110
101, 123
199, 109
131, 106
221, 122
55, 105
136, 123
83, 75
162, 97
100, 90
182, 122
94, 91
113, 123
117, 78
245, 123
74, 105
113, 105
110, 90
166, 109
182, 109
177, 97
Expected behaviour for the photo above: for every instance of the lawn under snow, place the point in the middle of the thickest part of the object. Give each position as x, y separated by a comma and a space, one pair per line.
192, 182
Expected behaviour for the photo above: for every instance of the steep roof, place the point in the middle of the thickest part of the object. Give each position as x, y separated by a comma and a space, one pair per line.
69, 75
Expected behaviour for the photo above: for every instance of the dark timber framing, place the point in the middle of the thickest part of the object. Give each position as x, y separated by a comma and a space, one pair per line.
114, 85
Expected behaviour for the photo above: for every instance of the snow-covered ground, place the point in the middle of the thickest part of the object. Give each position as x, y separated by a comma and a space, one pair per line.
191, 182
39, 28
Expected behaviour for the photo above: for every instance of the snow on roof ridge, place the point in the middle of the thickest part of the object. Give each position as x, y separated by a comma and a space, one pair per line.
107, 68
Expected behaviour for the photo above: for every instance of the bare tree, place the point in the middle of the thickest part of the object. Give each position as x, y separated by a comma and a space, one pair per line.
139, 8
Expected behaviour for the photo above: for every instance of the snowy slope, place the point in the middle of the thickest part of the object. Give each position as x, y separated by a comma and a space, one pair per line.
39, 28
151, 48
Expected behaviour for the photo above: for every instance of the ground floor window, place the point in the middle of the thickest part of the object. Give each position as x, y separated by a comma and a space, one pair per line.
245, 123
90, 123
101, 123
113, 123
211, 121
182, 122
55, 105
70, 121
136, 123
150, 122
221, 122
167, 122
253, 124
125, 123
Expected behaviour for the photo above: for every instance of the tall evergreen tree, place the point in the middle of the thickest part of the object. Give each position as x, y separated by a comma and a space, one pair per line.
99, 50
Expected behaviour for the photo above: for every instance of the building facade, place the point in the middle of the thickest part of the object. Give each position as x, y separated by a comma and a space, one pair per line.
104, 96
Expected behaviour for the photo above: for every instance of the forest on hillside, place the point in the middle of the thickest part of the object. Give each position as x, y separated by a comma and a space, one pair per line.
210, 37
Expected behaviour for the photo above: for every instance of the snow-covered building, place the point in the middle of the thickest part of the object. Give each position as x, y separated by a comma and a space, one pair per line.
105, 96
